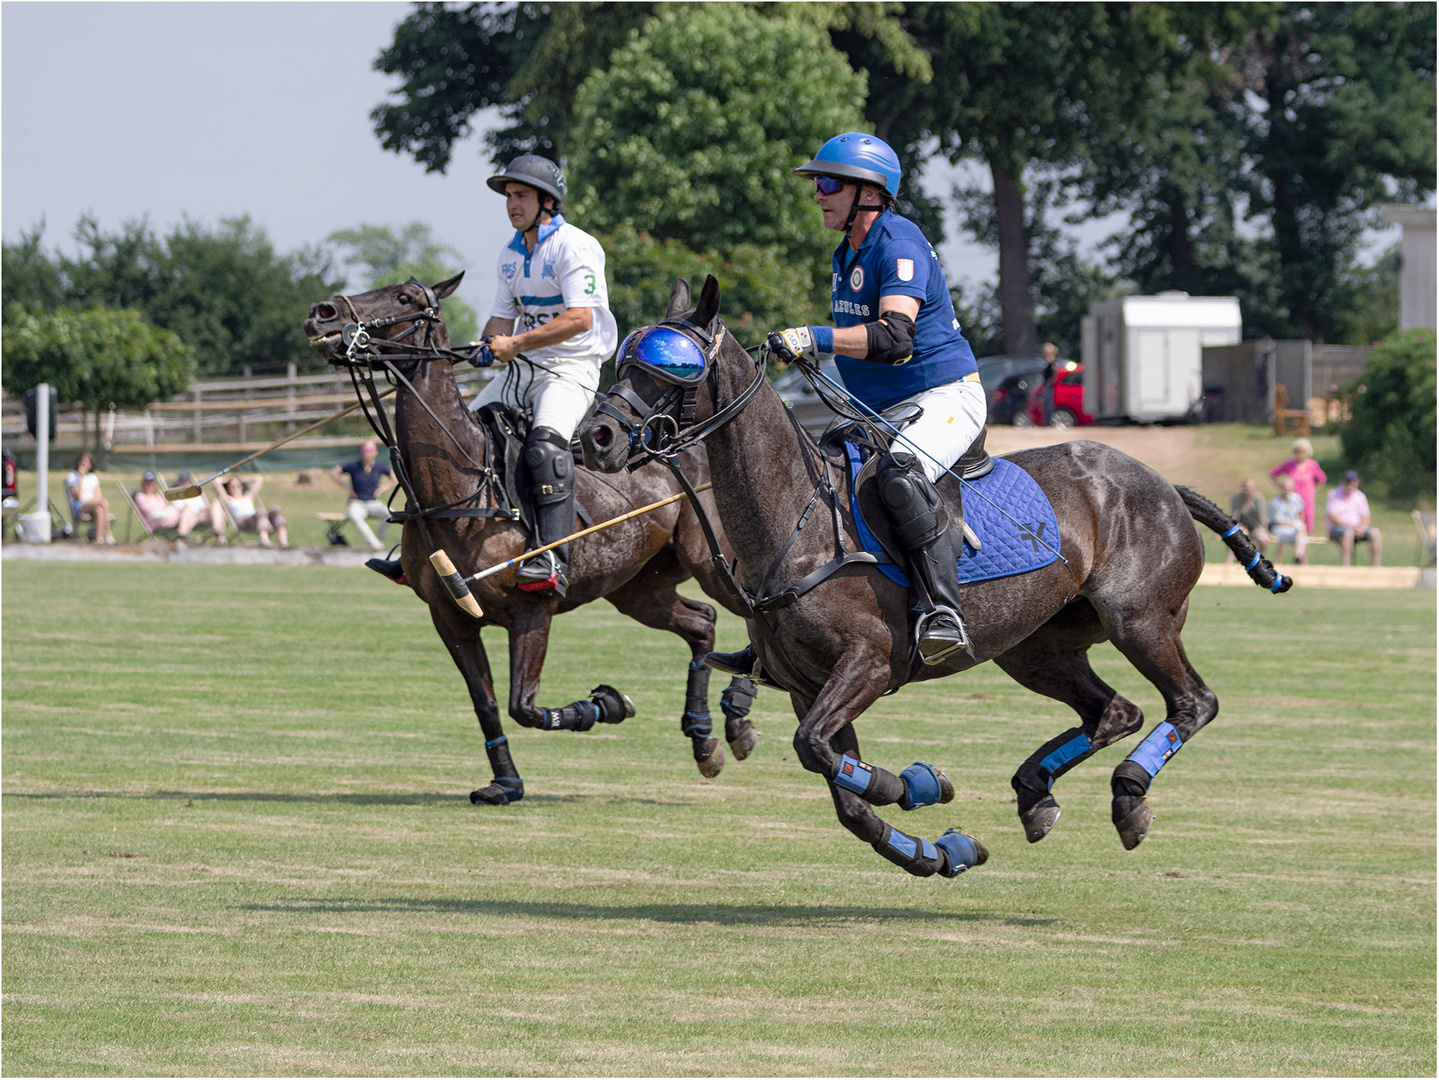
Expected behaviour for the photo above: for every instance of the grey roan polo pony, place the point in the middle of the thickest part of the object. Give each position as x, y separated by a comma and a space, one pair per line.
1130, 556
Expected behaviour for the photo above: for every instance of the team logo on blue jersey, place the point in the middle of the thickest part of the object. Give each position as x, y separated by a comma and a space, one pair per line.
856, 279
548, 271
509, 270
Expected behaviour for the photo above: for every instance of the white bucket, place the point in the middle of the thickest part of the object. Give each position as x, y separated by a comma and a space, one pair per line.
34, 528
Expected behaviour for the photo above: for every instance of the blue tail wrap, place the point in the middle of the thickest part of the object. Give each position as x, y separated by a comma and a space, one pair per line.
1158, 747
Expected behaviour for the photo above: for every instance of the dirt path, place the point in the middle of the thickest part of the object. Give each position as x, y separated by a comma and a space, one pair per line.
1170, 451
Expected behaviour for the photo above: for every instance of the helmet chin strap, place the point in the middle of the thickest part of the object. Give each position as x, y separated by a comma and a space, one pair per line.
535, 221
854, 209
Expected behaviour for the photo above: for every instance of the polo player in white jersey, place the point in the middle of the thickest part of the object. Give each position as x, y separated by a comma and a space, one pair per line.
552, 306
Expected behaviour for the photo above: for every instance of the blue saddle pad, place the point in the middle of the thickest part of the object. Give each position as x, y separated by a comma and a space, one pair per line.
1012, 517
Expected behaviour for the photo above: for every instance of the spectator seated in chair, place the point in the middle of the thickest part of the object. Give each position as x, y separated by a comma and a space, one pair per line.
82, 492
157, 514
1248, 509
1286, 520
239, 499
1347, 511
365, 481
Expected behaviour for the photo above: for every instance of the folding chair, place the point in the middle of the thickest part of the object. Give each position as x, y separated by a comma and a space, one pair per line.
1424, 528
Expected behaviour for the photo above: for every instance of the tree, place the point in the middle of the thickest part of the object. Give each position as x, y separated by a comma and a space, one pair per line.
530, 59
691, 136
29, 278
98, 357
388, 258
1026, 86
225, 292
1391, 436
1346, 120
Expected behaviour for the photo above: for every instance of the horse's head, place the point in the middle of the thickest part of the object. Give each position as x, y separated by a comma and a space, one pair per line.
343, 328
667, 384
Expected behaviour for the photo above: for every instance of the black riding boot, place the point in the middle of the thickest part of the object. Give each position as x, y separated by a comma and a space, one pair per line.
550, 470
921, 524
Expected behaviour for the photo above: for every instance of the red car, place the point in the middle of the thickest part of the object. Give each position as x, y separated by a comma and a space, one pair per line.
1068, 410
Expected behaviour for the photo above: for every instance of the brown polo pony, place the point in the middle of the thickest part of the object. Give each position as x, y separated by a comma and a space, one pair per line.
1129, 557
440, 454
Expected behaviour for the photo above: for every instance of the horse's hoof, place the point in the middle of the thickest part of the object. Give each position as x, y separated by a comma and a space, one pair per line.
1132, 818
743, 741
709, 756
494, 795
1039, 819
946, 789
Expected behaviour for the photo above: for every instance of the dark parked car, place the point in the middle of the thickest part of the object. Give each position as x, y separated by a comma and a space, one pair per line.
1007, 382
797, 392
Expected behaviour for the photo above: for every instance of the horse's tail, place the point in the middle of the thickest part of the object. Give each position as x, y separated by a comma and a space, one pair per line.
1259, 568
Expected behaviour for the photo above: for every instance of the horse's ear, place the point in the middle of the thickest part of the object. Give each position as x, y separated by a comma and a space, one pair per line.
449, 285
679, 299
709, 302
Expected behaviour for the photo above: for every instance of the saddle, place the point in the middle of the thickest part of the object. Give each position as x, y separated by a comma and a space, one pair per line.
505, 429
973, 464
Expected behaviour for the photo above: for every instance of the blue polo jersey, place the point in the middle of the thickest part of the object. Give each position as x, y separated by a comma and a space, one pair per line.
896, 259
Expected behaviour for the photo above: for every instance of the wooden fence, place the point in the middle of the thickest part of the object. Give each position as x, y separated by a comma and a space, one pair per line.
213, 415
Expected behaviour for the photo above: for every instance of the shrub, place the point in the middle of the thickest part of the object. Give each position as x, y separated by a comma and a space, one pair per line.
1391, 437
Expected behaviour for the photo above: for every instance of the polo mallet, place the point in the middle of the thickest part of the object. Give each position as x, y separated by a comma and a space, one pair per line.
458, 586
175, 494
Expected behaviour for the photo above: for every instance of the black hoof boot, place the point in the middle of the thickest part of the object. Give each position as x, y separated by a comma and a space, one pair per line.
390, 568
614, 706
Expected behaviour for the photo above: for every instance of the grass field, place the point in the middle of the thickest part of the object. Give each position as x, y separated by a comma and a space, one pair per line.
237, 840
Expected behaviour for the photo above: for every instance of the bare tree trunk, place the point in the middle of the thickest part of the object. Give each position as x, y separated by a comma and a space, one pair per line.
1181, 247
1016, 302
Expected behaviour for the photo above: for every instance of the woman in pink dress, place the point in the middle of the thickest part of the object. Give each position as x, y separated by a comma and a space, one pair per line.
1307, 476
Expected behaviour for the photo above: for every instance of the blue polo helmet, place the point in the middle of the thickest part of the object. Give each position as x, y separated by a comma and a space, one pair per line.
856, 156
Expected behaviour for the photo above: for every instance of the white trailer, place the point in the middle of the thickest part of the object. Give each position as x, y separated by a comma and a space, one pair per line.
1143, 355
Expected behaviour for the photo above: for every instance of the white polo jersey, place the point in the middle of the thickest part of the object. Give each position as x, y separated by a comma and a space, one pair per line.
566, 270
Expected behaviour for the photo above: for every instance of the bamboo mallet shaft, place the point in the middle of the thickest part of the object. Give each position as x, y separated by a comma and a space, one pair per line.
459, 589
194, 489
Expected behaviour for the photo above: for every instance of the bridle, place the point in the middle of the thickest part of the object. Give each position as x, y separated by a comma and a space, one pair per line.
366, 354
655, 434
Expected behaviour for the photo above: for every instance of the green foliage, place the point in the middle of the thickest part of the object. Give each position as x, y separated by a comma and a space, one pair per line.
1390, 438
225, 292
388, 258
759, 289
29, 277
1371, 300
692, 134
1348, 121
99, 356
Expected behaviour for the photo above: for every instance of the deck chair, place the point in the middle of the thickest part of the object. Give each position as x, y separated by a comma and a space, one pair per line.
1285, 418
1424, 529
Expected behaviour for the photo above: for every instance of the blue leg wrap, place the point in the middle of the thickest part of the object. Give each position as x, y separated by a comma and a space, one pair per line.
911, 847
854, 775
961, 850
921, 785
496, 742
1055, 761
1161, 744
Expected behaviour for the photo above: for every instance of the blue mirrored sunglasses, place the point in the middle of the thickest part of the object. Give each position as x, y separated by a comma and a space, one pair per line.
827, 185
666, 354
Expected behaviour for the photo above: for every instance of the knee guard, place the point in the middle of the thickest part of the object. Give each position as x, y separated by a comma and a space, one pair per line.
915, 507
549, 466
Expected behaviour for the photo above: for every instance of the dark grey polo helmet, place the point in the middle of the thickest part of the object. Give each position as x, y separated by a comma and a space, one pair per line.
540, 173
